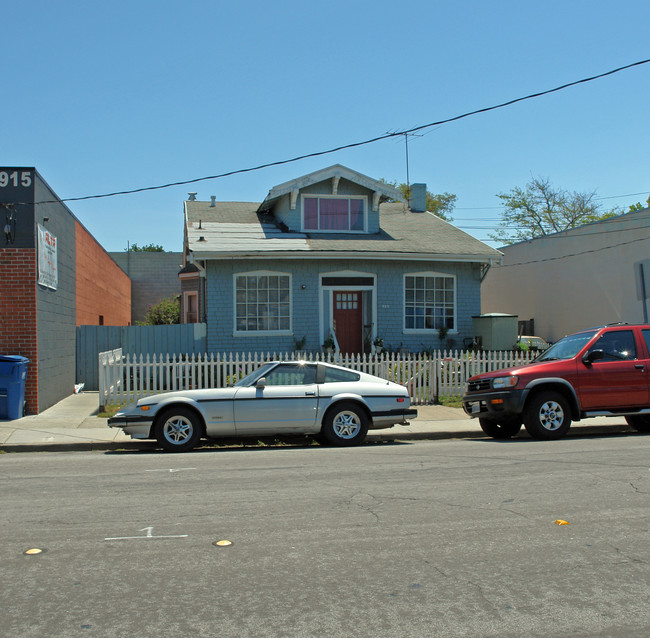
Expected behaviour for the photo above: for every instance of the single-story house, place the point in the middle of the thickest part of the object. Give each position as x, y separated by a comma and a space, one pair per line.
591, 275
330, 257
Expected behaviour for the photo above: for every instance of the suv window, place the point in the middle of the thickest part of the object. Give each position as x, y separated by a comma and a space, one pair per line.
618, 345
567, 347
646, 336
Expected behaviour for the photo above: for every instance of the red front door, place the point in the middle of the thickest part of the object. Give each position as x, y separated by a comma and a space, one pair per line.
348, 320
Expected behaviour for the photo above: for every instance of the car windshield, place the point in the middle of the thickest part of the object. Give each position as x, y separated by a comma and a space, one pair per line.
248, 379
568, 347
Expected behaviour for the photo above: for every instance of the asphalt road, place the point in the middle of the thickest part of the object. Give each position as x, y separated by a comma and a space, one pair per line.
445, 538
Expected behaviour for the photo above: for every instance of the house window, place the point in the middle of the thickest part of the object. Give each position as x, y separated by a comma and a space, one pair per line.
338, 214
429, 302
263, 302
191, 307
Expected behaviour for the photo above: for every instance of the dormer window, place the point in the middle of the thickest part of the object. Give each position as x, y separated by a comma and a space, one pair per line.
334, 214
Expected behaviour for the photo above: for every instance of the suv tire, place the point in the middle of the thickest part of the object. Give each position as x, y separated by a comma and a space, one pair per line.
639, 422
504, 429
547, 416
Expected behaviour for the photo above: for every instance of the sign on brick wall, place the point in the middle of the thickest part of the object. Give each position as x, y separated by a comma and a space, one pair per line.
47, 262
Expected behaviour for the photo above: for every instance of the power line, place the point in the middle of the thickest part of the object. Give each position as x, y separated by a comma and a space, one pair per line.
353, 144
577, 254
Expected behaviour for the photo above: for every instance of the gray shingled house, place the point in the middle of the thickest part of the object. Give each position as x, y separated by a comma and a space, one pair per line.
330, 255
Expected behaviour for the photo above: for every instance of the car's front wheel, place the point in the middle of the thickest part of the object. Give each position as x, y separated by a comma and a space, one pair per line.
547, 416
178, 430
344, 424
503, 429
639, 422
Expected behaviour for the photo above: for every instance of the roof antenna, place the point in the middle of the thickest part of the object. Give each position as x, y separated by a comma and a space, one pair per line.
408, 179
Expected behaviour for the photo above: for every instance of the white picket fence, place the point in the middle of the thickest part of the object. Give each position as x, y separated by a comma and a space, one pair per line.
126, 378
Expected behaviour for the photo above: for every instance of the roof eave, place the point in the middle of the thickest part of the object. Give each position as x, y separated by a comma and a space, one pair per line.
338, 170
320, 255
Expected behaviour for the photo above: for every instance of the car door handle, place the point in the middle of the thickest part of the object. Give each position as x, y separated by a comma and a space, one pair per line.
310, 394
639, 366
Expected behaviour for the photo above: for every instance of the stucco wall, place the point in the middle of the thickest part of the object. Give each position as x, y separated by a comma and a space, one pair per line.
154, 276
573, 280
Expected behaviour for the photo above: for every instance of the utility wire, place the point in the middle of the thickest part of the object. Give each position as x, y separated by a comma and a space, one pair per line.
354, 144
584, 252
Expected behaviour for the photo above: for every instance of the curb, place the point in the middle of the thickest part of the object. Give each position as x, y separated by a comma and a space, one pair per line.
91, 446
149, 445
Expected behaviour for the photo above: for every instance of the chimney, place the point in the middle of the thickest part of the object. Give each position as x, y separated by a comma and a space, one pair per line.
418, 203
192, 197
212, 198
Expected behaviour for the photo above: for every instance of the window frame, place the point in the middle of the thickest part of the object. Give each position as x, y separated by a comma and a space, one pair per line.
614, 336
316, 196
308, 370
430, 274
186, 297
264, 332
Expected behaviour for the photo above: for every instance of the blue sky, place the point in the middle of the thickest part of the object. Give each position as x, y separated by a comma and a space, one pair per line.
103, 97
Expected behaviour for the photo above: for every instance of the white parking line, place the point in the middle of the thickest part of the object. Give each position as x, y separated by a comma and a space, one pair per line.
149, 535
180, 469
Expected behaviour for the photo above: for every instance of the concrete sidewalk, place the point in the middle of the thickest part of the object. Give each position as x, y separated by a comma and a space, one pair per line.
73, 424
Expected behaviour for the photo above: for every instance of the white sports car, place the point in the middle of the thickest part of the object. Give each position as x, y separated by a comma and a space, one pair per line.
281, 397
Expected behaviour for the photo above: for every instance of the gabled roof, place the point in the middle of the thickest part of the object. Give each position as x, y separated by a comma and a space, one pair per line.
239, 230
337, 171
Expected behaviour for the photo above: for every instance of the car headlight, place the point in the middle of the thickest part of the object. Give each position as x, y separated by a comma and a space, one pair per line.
501, 383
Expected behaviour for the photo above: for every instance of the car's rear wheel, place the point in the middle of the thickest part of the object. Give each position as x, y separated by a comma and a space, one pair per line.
547, 416
344, 424
639, 422
503, 429
178, 430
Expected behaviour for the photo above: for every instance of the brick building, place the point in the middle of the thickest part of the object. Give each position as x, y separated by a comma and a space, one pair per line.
54, 276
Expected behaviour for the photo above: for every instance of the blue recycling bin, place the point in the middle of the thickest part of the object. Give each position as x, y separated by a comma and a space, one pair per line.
13, 372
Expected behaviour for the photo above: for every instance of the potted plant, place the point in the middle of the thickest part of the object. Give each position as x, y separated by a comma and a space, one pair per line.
299, 344
328, 344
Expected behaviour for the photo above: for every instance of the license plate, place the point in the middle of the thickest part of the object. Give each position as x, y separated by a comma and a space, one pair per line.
476, 407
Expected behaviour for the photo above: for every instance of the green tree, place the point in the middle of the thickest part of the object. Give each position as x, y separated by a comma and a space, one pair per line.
166, 311
540, 209
147, 248
441, 204
639, 206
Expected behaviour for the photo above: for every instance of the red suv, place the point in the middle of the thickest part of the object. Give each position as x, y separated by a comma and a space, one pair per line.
598, 372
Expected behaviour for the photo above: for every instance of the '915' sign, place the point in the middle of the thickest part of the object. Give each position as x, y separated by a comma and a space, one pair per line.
15, 179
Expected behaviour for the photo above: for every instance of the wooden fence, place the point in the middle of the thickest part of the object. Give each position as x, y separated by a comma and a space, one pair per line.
91, 340
126, 378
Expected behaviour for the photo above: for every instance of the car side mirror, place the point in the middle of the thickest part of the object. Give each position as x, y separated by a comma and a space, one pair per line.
260, 383
592, 356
